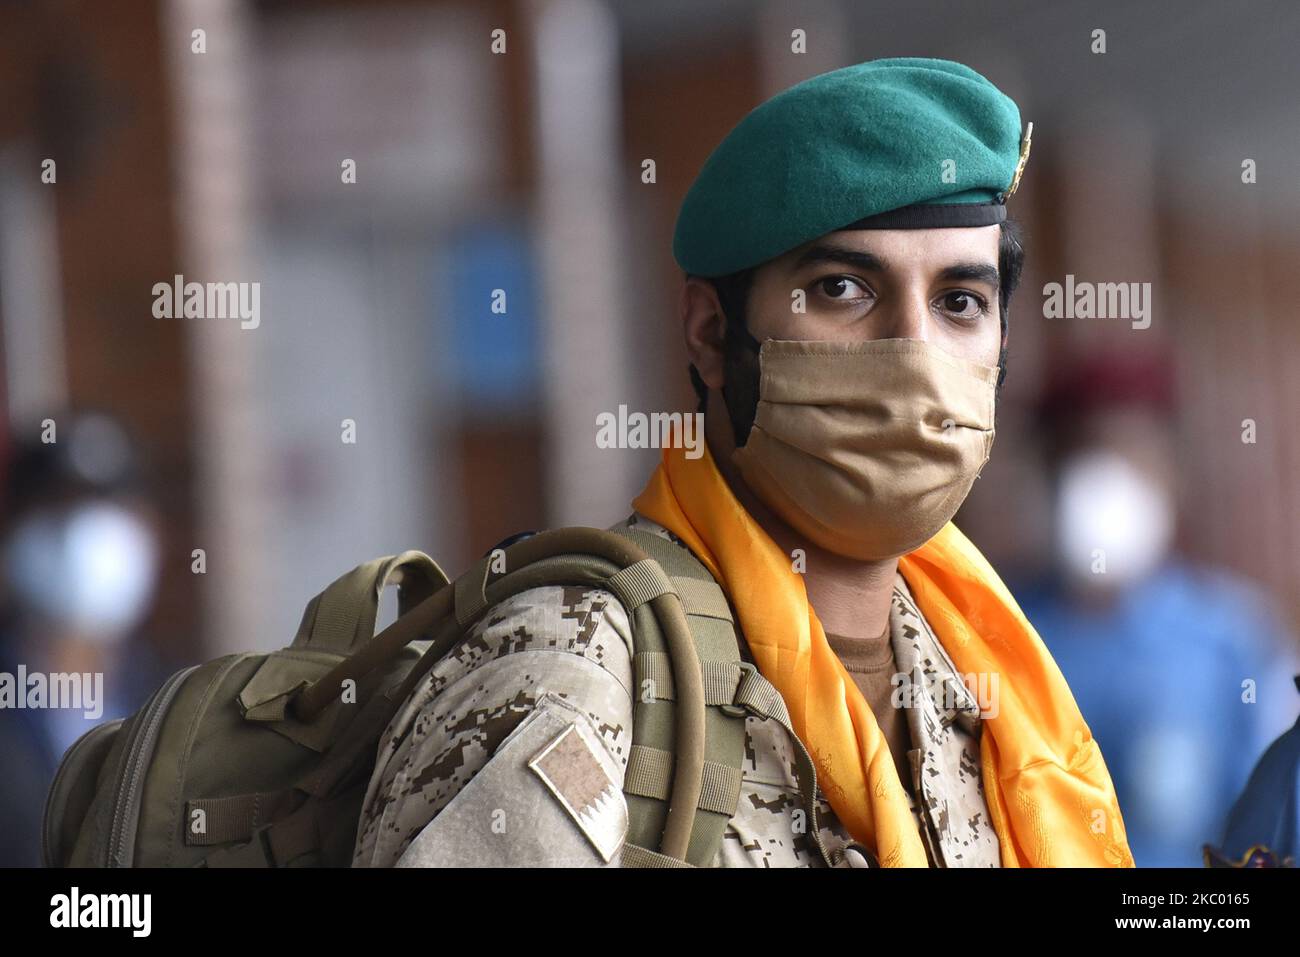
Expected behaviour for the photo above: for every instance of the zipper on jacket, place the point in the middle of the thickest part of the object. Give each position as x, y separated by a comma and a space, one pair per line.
750, 707
812, 802
119, 851
773, 715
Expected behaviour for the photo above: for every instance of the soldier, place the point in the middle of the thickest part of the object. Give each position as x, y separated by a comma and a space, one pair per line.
844, 247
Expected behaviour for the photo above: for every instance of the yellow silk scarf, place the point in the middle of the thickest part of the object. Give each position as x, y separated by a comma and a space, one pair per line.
1048, 792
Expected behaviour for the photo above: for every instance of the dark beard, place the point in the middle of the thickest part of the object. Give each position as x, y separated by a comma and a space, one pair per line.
740, 388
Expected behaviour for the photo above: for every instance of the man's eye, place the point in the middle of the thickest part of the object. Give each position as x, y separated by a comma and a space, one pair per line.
966, 305
842, 288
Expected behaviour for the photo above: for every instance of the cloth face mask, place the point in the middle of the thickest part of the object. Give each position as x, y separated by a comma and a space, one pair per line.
868, 448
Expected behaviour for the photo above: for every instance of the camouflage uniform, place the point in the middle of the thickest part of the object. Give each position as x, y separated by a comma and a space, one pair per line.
453, 785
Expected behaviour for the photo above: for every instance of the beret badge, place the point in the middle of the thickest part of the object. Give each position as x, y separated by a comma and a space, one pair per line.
1020, 165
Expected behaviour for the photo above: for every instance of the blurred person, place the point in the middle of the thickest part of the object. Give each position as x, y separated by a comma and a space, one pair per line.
78, 569
849, 266
1182, 669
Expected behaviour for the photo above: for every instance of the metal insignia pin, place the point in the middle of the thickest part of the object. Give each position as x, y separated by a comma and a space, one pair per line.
1020, 164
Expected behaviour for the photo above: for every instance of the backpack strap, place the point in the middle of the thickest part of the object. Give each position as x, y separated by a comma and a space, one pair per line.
650, 758
733, 688
342, 617
684, 767
681, 744
338, 621
566, 556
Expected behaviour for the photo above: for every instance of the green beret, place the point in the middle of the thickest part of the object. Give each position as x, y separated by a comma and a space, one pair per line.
864, 146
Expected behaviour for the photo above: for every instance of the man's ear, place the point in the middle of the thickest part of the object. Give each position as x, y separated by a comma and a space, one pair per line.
705, 327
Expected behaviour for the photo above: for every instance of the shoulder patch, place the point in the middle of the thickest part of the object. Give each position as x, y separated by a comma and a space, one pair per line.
570, 768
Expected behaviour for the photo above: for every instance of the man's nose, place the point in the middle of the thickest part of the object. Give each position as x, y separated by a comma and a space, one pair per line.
908, 317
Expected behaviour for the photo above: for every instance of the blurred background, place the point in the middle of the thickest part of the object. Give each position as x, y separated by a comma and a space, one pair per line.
438, 331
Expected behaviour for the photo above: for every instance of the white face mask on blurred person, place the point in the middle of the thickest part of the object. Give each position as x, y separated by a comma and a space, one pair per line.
91, 568
1110, 515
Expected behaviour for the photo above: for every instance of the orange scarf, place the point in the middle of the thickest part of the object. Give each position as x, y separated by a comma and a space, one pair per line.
1048, 792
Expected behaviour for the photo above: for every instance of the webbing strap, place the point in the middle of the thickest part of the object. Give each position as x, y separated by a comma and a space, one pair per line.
703, 598
633, 855
721, 788
225, 820
676, 559
650, 760
342, 617
647, 580
655, 667
248, 818
350, 749
649, 774
755, 693
471, 592
700, 594
722, 679
639, 583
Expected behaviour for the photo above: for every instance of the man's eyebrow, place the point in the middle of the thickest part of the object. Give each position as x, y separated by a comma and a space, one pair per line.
972, 271
828, 253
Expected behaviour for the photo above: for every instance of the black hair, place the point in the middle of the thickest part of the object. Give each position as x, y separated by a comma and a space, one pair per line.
733, 295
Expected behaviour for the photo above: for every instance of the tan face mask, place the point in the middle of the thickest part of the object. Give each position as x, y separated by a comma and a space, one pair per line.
868, 448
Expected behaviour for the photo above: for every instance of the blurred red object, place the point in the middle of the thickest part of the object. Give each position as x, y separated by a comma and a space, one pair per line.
1103, 380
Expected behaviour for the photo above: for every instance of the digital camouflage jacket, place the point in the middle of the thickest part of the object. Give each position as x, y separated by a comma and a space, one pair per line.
459, 781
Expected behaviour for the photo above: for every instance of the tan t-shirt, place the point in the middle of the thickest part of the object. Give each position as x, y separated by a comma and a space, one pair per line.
871, 665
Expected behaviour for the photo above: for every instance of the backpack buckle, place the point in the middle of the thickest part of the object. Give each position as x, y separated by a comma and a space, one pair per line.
730, 708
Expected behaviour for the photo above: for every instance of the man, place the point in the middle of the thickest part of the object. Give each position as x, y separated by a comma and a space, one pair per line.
844, 247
